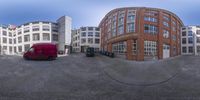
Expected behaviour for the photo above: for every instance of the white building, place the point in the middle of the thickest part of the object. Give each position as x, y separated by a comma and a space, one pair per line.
190, 40
16, 40
86, 37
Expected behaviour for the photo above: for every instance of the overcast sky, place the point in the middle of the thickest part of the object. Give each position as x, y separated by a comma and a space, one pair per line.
88, 12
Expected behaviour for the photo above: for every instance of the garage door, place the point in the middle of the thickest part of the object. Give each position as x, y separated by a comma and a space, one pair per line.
166, 51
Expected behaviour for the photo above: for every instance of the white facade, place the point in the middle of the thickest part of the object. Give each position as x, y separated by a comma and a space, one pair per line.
190, 40
64, 30
86, 37
16, 40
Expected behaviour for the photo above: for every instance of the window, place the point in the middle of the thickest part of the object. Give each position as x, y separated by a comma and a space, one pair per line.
150, 19
174, 37
183, 28
35, 28
19, 48
131, 18
174, 28
151, 29
119, 48
20, 39
97, 29
166, 18
97, 34
90, 40
10, 41
26, 24
184, 33
35, 22
150, 48
183, 40
45, 28
190, 49
97, 41
134, 47
198, 32
55, 37
5, 33
10, 49
114, 23
190, 33
26, 47
45, 22
36, 37
198, 49
19, 32
166, 24
26, 30
151, 13
174, 23
26, 38
121, 19
83, 28
190, 40
14, 40
46, 36
4, 40
4, 47
90, 28
165, 33
184, 49
113, 32
121, 29
83, 41
198, 39
130, 27
10, 34
83, 34
90, 34
166, 47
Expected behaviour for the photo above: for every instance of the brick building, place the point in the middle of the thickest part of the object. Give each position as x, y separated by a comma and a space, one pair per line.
140, 33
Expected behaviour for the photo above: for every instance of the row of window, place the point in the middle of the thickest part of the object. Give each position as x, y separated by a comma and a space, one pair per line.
189, 49
90, 34
151, 29
150, 48
36, 37
35, 28
119, 48
190, 33
190, 40
90, 29
90, 41
26, 47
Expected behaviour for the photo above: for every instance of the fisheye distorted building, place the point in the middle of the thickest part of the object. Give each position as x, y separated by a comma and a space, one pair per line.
16, 40
139, 33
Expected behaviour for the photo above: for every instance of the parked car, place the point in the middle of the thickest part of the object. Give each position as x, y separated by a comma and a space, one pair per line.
41, 51
90, 52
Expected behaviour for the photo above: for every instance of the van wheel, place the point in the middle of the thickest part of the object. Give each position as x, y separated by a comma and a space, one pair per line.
50, 58
26, 58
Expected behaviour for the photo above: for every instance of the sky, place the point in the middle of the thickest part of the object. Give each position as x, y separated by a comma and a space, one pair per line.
88, 12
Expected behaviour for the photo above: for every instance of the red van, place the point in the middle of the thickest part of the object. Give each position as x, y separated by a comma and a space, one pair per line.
41, 51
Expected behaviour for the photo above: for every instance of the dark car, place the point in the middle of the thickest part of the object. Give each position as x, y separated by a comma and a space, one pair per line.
90, 52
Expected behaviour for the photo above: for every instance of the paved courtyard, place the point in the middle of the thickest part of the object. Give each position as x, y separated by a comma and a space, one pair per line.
76, 77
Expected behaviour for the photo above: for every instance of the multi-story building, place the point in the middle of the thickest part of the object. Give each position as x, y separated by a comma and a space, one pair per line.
190, 40
16, 40
140, 33
85, 37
